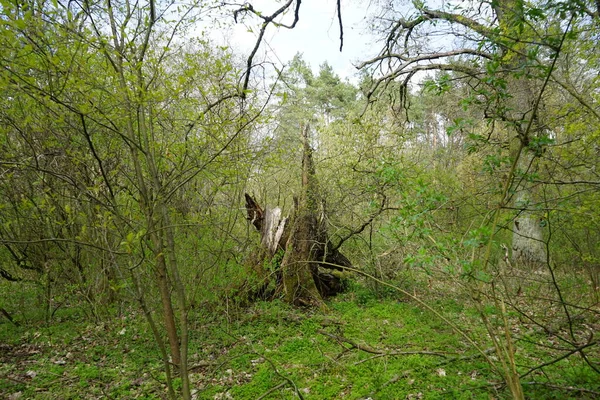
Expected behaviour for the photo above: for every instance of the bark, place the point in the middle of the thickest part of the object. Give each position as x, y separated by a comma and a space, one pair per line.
302, 276
528, 246
164, 287
528, 241
269, 223
528, 237
299, 263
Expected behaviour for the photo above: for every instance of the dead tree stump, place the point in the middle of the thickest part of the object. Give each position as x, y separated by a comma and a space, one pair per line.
305, 273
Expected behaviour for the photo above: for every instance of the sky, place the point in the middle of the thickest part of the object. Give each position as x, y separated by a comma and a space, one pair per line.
316, 35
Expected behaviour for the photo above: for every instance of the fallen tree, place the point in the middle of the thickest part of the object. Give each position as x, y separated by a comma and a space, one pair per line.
296, 259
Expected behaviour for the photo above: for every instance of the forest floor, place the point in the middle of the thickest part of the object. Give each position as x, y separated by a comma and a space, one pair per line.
365, 347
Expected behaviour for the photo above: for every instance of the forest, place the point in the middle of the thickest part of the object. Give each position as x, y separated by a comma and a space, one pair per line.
182, 221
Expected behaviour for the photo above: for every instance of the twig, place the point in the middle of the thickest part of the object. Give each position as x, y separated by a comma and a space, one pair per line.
489, 350
339, 13
291, 382
200, 365
12, 378
268, 392
9, 317
368, 222
377, 353
560, 387
267, 19
576, 350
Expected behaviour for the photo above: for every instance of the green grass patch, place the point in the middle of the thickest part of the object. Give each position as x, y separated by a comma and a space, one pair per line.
363, 347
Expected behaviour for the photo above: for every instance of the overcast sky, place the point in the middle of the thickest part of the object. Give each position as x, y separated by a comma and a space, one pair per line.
316, 35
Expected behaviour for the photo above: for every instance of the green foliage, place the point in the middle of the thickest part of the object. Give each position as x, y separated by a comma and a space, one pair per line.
440, 85
118, 153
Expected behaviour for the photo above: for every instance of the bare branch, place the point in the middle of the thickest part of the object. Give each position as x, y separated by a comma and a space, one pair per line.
342, 341
339, 13
8, 276
266, 21
407, 61
569, 353
409, 26
422, 67
362, 227
560, 387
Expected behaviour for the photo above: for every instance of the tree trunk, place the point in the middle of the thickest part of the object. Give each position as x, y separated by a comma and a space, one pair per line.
528, 237
528, 246
299, 263
304, 242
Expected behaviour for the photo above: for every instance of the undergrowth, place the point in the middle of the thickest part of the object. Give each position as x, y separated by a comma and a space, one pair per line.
365, 346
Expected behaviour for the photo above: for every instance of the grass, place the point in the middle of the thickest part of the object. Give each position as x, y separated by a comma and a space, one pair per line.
364, 347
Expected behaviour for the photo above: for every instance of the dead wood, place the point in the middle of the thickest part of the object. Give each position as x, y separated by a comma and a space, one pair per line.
349, 345
303, 275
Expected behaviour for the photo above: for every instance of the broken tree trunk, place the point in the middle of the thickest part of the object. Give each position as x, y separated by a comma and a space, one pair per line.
304, 274
269, 223
299, 263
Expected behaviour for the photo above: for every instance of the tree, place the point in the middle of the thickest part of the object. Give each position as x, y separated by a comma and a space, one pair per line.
342, 198
507, 55
299, 246
104, 129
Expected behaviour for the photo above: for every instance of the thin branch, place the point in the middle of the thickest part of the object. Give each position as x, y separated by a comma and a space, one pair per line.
377, 353
9, 317
339, 13
412, 60
403, 24
266, 21
420, 67
208, 108
577, 96
565, 388
8, 276
361, 228
149, 30
560, 182
95, 154
291, 382
268, 392
576, 350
